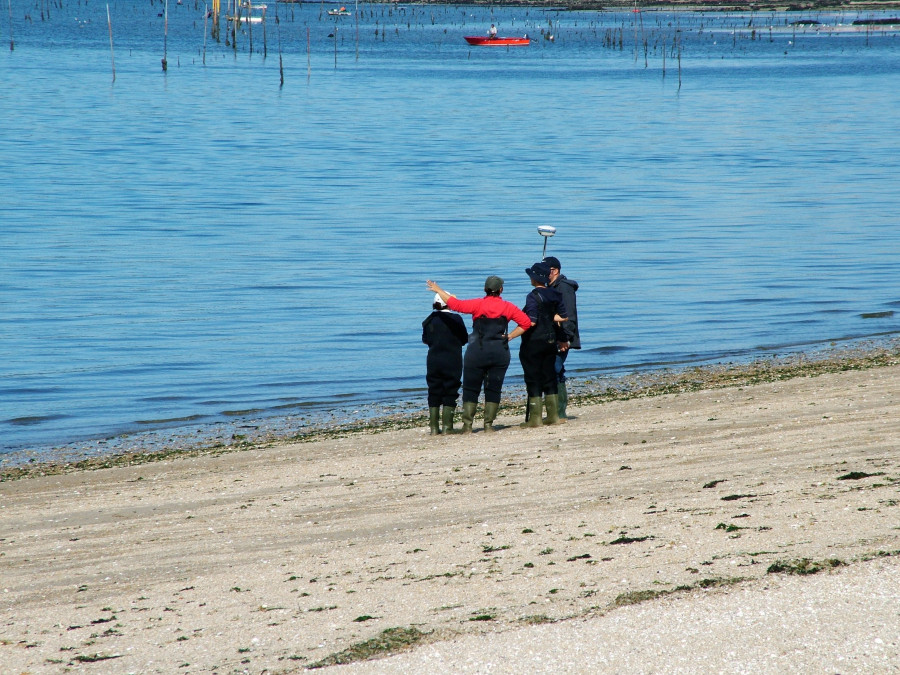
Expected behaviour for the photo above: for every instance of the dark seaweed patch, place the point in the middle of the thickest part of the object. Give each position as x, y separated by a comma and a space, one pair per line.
94, 658
628, 540
803, 566
858, 475
390, 641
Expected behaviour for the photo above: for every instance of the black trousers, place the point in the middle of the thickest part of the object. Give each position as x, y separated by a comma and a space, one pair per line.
538, 360
485, 363
442, 378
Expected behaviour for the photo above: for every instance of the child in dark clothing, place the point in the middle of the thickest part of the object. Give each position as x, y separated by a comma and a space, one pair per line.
445, 334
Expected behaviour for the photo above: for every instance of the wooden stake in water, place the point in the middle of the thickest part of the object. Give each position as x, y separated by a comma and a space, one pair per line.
12, 45
664, 60
265, 46
278, 35
236, 19
308, 57
250, 24
205, 21
679, 66
112, 54
165, 63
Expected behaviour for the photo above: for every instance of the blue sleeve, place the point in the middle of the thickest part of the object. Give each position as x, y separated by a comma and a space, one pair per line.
531, 307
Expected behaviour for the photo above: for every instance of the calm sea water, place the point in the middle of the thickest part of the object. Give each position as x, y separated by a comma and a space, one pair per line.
205, 248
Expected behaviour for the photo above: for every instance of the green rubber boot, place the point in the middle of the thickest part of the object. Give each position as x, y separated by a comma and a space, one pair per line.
447, 419
434, 421
468, 416
533, 413
563, 400
490, 414
551, 403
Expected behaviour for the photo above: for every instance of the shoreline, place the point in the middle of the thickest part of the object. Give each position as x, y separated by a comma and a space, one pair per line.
591, 390
693, 6
342, 548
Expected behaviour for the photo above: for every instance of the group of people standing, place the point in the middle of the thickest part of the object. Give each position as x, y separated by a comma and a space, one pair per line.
548, 326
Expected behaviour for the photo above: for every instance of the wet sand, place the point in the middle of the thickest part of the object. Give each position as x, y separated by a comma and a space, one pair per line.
649, 511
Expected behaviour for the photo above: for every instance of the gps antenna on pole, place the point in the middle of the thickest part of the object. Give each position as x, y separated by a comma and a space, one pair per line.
546, 231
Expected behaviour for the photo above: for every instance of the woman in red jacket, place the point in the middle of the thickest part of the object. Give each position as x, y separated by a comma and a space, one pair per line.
487, 355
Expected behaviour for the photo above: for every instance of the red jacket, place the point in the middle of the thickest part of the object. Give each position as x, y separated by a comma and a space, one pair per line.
490, 307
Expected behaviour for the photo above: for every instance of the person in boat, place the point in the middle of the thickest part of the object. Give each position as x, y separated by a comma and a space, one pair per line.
487, 354
492, 32
445, 334
567, 287
546, 309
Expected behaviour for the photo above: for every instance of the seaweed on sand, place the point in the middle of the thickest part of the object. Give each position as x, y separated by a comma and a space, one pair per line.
803, 566
390, 641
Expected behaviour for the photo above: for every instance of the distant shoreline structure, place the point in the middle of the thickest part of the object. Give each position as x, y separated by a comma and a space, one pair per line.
687, 5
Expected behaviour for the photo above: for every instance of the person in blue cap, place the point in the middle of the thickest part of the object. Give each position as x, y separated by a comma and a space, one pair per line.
567, 287
546, 309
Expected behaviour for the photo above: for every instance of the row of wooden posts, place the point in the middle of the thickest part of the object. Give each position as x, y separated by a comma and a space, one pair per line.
240, 11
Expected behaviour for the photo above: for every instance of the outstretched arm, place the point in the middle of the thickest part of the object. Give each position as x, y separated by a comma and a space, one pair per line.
433, 287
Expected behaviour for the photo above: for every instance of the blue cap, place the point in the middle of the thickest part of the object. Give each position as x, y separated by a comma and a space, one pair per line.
539, 272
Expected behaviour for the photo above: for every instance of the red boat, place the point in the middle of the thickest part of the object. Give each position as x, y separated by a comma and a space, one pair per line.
483, 41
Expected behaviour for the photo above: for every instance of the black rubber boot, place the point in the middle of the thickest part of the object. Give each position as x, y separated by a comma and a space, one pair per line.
468, 416
447, 419
434, 421
533, 414
490, 414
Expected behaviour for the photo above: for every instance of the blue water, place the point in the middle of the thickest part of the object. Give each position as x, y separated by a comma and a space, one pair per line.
206, 247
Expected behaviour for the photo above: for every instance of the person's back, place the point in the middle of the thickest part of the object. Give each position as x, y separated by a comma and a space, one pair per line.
550, 301
445, 334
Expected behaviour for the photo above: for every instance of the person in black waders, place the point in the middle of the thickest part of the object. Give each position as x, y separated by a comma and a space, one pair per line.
568, 288
487, 355
445, 334
546, 309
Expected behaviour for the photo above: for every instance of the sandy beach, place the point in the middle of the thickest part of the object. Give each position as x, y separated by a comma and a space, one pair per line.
747, 528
